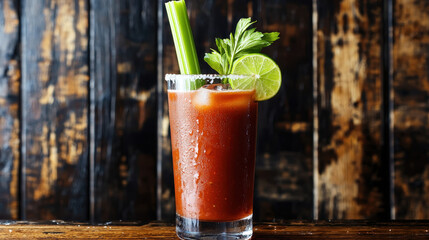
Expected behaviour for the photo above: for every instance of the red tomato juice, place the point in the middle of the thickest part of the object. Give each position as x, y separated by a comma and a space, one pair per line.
213, 138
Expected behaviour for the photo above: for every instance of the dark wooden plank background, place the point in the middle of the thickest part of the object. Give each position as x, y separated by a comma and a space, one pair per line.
284, 172
410, 96
10, 80
123, 114
84, 119
352, 177
55, 74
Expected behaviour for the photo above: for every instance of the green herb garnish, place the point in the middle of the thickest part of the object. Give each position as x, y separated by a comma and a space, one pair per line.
242, 43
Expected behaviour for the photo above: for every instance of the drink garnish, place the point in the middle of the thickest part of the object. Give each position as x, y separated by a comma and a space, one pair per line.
245, 41
240, 55
266, 77
183, 42
182, 37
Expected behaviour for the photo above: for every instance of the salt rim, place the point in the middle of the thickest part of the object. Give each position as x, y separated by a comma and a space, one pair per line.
211, 77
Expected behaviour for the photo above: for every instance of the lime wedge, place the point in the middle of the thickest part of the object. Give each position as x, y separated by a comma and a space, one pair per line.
266, 79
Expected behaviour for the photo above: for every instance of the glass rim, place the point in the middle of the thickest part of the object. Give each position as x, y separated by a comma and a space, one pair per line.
182, 77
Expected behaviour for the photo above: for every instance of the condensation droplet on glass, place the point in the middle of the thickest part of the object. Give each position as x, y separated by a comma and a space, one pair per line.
190, 132
196, 150
196, 154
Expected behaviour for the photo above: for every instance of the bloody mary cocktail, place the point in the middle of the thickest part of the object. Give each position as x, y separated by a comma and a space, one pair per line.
213, 138
213, 128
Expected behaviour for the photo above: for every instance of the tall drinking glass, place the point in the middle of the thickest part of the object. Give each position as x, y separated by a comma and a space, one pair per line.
213, 138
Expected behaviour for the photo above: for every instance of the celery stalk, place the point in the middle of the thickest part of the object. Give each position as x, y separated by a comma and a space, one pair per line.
182, 36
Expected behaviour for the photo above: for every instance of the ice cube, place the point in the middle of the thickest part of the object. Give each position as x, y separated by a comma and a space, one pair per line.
217, 87
202, 98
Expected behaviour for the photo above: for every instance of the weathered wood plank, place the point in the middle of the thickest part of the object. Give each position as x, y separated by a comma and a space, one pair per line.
167, 63
10, 76
353, 177
411, 108
124, 119
102, 89
208, 20
269, 230
284, 171
54, 109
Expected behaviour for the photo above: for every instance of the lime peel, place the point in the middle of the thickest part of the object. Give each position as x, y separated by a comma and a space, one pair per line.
265, 75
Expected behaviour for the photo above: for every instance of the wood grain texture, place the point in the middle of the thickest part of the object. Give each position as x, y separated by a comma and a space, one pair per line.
284, 169
411, 108
353, 177
102, 89
54, 109
157, 230
10, 76
124, 69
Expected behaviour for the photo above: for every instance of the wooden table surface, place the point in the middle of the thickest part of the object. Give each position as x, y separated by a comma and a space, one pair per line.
160, 230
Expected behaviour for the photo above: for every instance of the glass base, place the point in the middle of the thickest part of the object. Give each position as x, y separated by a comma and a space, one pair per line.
188, 228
